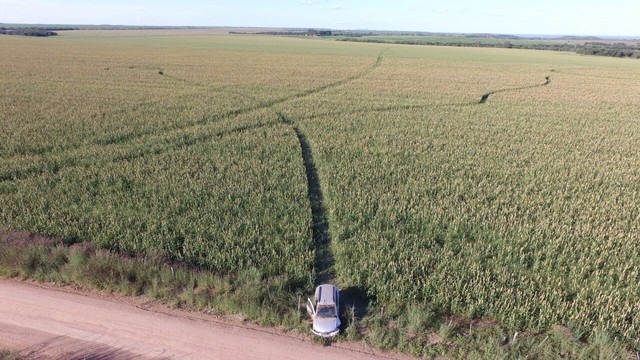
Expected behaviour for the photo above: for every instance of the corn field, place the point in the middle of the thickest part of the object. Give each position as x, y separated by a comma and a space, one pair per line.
523, 209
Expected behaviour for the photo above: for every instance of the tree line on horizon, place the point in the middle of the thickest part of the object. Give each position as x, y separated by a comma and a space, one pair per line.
33, 31
621, 50
597, 48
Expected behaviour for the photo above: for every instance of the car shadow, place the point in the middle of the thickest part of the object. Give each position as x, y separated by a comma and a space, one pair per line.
355, 298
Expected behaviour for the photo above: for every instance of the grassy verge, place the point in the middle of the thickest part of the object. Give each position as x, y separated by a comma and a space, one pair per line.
413, 329
8, 355
420, 331
263, 300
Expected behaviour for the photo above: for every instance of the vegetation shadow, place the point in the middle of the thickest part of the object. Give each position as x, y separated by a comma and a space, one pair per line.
355, 298
320, 224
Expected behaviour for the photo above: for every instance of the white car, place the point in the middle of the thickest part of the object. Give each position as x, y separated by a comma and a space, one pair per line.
325, 313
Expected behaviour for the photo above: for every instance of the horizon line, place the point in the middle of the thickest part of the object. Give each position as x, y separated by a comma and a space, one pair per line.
529, 35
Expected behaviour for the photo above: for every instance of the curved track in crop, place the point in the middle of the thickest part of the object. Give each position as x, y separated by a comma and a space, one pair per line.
53, 166
324, 260
485, 97
320, 225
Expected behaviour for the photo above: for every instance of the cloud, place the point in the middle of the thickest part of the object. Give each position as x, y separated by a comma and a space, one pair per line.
337, 7
308, 2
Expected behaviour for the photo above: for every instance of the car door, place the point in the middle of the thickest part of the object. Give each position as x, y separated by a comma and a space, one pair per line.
310, 308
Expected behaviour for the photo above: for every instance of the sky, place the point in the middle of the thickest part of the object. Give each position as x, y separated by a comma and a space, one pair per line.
545, 17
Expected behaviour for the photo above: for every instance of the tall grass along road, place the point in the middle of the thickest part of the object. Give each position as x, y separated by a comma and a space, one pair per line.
39, 322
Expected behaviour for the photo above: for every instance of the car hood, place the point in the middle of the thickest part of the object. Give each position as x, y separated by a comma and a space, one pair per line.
326, 326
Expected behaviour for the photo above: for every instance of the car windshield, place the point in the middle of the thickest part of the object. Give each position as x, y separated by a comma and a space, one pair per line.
325, 311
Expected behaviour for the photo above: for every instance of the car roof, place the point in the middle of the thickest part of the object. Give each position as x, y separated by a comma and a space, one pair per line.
326, 294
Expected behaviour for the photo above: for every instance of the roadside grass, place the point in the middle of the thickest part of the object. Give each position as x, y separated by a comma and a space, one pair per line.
8, 355
418, 330
249, 294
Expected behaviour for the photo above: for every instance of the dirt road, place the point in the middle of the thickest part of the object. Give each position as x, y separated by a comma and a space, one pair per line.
43, 321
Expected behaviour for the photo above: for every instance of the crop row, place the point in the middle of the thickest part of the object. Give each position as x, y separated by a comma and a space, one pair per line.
522, 210
515, 210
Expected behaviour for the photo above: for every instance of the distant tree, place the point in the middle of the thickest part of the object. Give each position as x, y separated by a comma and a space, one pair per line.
314, 32
33, 31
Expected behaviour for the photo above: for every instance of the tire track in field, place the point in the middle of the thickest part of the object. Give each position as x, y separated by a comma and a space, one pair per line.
331, 85
121, 138
55, 166
108, 140
324, 261
43, 150
320, 223
485, 97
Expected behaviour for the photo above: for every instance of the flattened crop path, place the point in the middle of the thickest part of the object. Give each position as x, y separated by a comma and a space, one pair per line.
485, 97
320, 224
